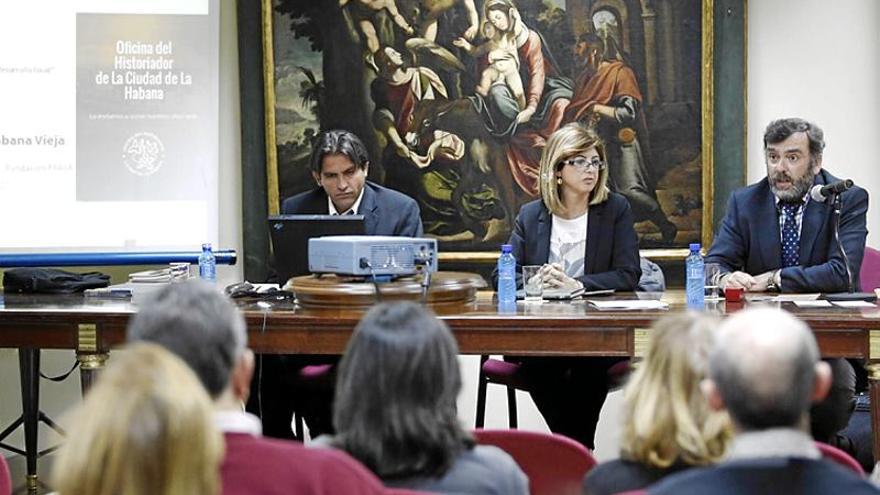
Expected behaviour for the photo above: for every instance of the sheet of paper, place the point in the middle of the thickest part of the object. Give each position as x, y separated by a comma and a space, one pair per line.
627, 305
819, 303
854, 304
796, 297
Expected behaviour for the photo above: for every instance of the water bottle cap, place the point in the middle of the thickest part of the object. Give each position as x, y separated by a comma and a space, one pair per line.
206, 246
506, 248
695, 246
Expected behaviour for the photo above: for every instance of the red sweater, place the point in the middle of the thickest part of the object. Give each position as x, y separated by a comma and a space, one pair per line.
264, 466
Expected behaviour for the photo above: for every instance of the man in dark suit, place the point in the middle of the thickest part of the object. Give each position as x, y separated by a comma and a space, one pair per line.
197, 323
764, 369
339, 164
776, 237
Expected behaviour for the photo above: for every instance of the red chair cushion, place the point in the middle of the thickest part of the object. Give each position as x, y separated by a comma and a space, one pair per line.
505, 373
869, 275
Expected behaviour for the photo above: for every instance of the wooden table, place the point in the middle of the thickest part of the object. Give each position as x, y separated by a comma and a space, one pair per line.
92, 327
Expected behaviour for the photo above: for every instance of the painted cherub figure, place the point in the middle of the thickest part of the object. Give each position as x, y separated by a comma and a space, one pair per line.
363, 12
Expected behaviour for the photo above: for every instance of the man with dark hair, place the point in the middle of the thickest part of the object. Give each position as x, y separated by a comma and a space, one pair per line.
801, 254
765, 371
339, 164
775, 237
201, 326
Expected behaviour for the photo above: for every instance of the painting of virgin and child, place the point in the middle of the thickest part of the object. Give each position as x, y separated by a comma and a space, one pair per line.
455, 100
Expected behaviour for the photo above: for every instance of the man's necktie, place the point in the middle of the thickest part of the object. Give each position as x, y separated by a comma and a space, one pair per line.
790, 235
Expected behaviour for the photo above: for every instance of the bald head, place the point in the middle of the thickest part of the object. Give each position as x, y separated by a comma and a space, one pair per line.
764, 367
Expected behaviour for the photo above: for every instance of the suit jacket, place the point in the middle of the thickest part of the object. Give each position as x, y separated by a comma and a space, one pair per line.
385, 211
612, 248
748, 238
766, 476
263, 466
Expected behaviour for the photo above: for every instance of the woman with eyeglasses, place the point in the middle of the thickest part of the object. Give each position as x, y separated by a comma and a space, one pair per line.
582, 235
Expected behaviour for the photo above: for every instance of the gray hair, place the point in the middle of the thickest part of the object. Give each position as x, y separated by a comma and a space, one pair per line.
763, 365
339, 142
779, 130
396, 393
199, 324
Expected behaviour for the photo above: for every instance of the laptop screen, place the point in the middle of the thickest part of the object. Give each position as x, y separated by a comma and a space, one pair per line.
291, 234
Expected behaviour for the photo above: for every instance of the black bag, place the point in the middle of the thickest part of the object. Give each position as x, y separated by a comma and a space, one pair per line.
51, 280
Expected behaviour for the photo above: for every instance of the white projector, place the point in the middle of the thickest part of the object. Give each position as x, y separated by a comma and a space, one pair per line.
370, 255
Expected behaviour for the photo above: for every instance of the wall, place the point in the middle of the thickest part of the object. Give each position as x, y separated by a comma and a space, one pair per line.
819, 60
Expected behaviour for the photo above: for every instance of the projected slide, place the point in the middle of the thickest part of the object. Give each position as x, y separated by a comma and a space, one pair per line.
108, 128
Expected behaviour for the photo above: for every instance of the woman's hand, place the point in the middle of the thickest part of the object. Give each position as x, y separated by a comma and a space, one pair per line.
523, 116
555, 278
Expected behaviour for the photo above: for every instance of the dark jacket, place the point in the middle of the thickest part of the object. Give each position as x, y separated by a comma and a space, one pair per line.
748, 238
622, 475
385, 211
766, 476
612, 248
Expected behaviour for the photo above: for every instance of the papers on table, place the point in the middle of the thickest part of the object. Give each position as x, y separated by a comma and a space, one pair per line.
819, 303
854, 304
628, 305
822, 303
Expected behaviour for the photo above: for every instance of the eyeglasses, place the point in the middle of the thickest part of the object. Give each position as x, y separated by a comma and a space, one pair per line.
583, 165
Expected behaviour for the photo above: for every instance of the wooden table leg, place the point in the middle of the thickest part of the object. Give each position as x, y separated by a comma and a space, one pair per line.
89, 365
29, 366
874, 387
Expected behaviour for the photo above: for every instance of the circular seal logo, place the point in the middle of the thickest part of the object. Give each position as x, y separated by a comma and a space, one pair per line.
143, 153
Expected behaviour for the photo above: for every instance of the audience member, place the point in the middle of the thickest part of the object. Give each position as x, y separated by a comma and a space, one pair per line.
395, 408
667, 425
765, 371
144, 429
199, 324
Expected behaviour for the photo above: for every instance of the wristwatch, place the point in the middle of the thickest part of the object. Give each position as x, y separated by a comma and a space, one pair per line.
774, 281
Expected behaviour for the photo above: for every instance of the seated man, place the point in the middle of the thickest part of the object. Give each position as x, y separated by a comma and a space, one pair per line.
765, 371
197, 323
339, 165
775, 237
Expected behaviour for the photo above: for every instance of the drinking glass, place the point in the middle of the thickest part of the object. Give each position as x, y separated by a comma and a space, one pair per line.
712, 283
533, 283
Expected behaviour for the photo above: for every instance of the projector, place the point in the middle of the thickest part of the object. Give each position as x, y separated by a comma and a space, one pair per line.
367, 255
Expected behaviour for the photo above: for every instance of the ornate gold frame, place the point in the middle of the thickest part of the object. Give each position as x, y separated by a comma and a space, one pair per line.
708, 136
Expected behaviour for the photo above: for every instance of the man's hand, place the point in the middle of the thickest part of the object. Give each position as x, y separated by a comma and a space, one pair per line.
524, 116
740, 280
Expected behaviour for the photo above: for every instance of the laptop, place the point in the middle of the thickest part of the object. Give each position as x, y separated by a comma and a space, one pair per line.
291, 234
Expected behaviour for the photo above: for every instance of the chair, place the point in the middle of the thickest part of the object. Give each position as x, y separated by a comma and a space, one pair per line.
511, 375
555, 464
840, 458
870, 272
5, 478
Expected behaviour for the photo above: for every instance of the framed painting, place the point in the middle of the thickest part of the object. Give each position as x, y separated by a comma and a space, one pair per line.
456, 98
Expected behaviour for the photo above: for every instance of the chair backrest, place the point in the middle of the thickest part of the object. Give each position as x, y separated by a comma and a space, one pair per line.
555, 464
5, 478
840, 457
869, 275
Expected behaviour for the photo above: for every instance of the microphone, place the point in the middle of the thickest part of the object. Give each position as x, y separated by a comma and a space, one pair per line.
820, 193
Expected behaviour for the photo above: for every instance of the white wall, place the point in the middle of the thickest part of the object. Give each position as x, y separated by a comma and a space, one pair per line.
819, 60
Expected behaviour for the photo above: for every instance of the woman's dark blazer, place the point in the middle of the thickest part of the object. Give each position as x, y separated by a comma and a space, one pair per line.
612, 252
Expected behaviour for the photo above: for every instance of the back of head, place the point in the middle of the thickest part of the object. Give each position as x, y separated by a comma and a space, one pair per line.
338, 142
195, 321
667, 419
145, 428
763, 366
396, 393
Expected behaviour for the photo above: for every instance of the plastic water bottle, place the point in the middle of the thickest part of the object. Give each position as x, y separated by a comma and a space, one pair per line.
695, 279
207, 264
506, 276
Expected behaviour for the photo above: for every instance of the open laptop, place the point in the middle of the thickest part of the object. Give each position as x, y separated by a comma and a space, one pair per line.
291, 234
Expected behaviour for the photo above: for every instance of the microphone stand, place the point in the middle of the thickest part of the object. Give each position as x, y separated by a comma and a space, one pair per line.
837, 208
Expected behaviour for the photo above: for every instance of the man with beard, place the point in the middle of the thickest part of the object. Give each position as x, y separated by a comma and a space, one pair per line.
774, 237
